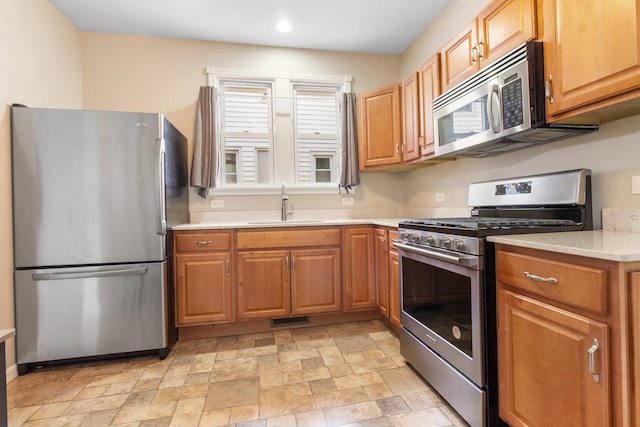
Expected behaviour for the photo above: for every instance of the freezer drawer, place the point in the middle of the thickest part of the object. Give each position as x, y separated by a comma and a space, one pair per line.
66, 313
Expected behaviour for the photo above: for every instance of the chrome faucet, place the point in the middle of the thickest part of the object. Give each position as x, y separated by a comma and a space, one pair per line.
285, 197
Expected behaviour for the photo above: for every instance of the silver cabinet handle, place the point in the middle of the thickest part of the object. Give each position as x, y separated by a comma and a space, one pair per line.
226, 266
481, 50
202, 242
383, 243
591, 352
548, 89
293, 263
286, 263
474, 54
551, 280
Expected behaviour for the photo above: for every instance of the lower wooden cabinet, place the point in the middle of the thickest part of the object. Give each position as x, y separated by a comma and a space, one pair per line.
203, 278
288, 272
280, 283
554, 365
387, 277
567, 327
359, 264
394, 287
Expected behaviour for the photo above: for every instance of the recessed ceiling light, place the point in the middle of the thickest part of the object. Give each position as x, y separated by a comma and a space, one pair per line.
284, 26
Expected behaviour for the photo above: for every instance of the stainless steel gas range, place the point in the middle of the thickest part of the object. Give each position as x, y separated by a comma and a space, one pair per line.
447, 279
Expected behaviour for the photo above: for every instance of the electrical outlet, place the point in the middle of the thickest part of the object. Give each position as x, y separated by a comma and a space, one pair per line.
635, 185
439, 197
217, 203
347, 200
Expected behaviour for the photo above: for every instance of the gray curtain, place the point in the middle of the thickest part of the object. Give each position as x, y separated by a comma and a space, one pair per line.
350, 175
204, 166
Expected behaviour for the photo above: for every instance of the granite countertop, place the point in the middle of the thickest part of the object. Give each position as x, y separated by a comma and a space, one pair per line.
5, 334
609, 245
385, 222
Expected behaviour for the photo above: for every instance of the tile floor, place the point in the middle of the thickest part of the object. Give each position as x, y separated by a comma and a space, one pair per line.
349, 374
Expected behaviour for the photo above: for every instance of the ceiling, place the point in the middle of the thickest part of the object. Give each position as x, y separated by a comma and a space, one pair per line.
368, 26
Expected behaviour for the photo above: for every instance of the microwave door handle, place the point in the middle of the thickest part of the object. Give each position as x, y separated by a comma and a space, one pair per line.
494, 121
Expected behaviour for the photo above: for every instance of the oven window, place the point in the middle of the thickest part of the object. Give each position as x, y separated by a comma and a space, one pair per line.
440, 300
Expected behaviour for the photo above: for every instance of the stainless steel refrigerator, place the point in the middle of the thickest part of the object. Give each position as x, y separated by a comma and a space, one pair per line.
94, 193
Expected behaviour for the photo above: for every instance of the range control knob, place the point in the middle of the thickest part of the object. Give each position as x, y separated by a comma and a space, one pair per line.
459, 244
447, 243
429, 240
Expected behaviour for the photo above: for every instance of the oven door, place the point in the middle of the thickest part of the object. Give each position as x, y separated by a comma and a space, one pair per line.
442, 299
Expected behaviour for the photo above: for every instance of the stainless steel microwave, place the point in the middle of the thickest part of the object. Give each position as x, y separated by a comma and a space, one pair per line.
498, 109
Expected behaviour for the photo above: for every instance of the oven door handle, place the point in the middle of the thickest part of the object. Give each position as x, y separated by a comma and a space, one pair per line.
459, 260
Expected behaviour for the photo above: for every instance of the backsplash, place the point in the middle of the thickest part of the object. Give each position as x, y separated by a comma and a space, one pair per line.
621, 220
326, 214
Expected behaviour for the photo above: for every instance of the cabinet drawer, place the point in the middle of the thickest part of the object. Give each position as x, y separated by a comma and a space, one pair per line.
201, 242
577, 285
309, 236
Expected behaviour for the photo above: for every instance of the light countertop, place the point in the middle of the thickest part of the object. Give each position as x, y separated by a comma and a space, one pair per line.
385, 222
609, 245
5, 334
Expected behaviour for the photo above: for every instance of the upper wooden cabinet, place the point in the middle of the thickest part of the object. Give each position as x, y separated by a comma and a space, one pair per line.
591, 58
379, 127
428, 89
500, 27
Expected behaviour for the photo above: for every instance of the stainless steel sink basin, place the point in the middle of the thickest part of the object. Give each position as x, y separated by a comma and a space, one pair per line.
291, 221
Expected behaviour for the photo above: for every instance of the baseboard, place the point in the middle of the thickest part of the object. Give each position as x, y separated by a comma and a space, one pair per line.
12, 372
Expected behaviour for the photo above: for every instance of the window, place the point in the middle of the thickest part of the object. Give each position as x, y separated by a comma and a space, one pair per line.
323, 168
246, 131
276, 129
231, 167
316, 129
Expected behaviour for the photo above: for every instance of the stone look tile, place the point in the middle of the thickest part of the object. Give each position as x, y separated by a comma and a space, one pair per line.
285, 400
188, 412
352, 413
349, 374
350, 344
227, 394
146, 412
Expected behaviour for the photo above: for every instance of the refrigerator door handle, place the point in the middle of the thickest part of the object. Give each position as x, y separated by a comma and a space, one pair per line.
161, 218
89, 274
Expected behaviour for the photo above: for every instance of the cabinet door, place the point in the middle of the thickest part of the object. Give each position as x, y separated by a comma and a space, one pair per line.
263, 284
410, 119
428, 90
459, 57
504, 25
359, 279
394, 288
380, 250
203, 288
544, 365
591, 53
315, 281
379, 127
